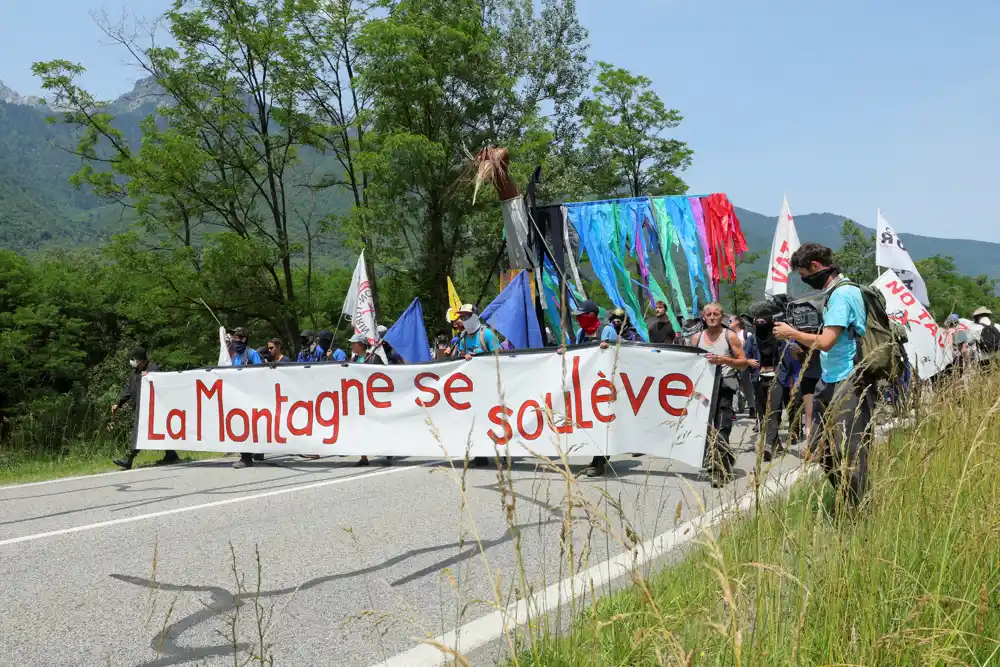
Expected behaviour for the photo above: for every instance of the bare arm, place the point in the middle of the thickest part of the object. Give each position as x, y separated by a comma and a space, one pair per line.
823, 341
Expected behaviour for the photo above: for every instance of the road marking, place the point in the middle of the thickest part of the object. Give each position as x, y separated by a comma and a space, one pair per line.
216, 503
482, 631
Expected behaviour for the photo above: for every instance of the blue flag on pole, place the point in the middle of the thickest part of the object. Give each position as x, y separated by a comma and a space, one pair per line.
512, 313
408, 335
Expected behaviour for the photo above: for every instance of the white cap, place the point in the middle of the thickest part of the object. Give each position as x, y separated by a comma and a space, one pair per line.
359, 338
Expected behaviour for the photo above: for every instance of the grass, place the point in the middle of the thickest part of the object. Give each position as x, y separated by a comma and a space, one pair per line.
37, 470
912, 579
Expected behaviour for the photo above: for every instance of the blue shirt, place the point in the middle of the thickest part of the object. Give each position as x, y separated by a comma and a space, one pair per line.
845, 309
482, 341
248, 358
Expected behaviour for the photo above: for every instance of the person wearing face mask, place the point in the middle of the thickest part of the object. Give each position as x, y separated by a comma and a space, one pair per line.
724, 349
326, 350
132, 393
588, 317
843, 402
476, 338
243, 355
307, 347
620, 328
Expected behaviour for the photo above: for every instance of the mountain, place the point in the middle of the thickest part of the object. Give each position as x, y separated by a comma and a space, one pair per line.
971, 257
39, 208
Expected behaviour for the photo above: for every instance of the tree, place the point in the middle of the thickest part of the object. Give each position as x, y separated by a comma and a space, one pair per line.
951, 292
856, 257
741, 293
625, 122
217, 157
445, 78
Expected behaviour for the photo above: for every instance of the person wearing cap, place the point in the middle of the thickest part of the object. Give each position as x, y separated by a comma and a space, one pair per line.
591, 328
621, 327
476, 338
132, 393
307, 345
985, 335
243, 355
326, 349
390, 353
361, 355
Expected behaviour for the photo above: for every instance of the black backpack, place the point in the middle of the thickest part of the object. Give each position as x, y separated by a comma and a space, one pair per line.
989, 340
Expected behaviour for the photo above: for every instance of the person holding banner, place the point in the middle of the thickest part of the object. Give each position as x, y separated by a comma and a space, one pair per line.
132, 393
475, 338
843, 401
724, 349
242, 355
361, 355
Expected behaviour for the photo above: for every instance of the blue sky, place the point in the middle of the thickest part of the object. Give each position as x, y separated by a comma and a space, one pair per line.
845, 106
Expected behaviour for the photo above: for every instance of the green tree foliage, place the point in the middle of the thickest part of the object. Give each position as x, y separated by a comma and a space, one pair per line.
738, 296
625, 123
856, 257
951, 292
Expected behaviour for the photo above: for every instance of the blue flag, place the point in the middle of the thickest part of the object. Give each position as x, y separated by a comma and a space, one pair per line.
408, 335
512, 313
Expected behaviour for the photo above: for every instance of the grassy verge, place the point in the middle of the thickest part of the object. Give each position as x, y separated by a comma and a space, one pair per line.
21, 469
913, 579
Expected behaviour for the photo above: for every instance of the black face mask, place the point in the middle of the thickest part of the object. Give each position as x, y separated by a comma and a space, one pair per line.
819, 279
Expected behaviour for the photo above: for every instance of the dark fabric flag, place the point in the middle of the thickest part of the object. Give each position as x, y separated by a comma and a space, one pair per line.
408, 335
512, 313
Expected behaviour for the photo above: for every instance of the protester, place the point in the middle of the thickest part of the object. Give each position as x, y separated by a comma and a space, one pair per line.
391, 355
476, 338
242, 355
748, 378
588, 317
986, 335
660, 328
442, 348
360, 354
132, 393
767, 387
307, 347
844, 402
274, 350
724, 349
326, 349
265, 354
621, 327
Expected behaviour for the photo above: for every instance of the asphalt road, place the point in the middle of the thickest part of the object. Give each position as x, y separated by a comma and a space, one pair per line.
135, 568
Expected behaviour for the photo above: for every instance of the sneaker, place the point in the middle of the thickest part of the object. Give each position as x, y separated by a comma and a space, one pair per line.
594, 471
243, 464
124, 464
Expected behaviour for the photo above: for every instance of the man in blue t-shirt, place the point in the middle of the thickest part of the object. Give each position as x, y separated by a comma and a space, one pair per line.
843, 403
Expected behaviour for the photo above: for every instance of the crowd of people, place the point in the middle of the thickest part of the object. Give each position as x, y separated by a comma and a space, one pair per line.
766, 367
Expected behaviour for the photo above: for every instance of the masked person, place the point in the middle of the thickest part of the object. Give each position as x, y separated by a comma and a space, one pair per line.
326, 349
748, 378
724, 349
660, 328
307, 347
361, 355
843, 402
476, 338
588, 317
132, 393
242, 355
768, 395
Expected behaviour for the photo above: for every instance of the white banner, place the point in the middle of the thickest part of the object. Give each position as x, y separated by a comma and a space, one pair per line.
891, 253
650, 400
786, 242
929, 346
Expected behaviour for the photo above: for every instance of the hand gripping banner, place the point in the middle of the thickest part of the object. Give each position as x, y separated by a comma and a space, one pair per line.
635, 398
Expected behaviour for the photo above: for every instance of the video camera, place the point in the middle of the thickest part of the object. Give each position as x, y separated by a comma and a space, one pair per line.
801, 314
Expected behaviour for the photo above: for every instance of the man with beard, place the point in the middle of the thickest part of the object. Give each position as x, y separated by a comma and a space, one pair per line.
660, 329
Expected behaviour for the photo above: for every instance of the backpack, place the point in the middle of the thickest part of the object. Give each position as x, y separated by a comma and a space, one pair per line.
462, 348
880, 354
989, 340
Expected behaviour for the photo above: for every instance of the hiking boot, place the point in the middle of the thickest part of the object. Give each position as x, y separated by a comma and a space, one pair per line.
124, 464
168, 459
243, 464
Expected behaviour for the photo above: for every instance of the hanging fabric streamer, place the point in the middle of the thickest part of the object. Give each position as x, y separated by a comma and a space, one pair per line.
679, 210
657, 292
703, 238
594, 224
630, 301
725, 235
669, 241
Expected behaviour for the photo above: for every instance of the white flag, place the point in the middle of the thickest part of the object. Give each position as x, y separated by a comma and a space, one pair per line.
786, 241
360, 307
224, 358
891, 253
928, 345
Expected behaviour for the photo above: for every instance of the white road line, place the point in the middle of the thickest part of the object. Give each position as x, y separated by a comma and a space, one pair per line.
217, 503
484, 630
8, 487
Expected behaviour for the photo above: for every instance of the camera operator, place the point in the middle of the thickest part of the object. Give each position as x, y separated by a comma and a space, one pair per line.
724, 349
843, 403
767, 389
